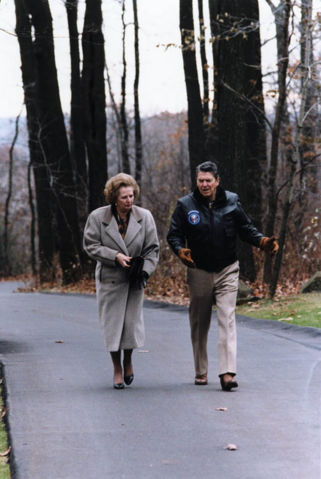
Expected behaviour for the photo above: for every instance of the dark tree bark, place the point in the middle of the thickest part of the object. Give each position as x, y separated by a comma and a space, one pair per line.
138, 131
53, 140
77, 145
93, 90
117, 121
32, 223
123, 117
276, 130
278, 12
43, 190
204, 65
196, 137
239, 142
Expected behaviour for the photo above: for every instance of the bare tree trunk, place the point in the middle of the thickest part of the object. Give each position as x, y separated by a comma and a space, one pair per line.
8, 199
53, 140
279, 12
77, 145
239, 121
305, 68
43, 190
117, 123
196, 137
32, 223
309, 133
123, 117
272, 198
138, 131
204, 65
93, 90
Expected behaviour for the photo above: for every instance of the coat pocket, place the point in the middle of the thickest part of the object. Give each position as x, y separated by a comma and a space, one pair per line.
112, 275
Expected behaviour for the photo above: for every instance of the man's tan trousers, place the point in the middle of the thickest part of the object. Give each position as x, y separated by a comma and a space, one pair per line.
205, 289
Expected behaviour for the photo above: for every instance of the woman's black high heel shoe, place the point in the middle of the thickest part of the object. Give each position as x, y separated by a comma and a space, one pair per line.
119, 385
129, 379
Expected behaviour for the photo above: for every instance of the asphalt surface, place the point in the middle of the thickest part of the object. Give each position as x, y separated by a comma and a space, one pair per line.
67, 422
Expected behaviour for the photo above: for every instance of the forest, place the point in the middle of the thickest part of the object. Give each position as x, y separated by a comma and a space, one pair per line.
260, 125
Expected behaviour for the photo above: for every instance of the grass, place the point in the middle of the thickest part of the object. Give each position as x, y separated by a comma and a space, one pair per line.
4, 466
300, 309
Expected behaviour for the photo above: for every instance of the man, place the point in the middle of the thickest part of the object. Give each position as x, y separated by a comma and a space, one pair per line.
203, 233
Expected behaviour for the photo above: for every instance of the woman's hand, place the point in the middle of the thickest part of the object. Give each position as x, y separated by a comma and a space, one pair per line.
123, 260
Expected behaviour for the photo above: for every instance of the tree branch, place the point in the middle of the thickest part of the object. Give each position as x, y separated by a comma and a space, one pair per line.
247, 100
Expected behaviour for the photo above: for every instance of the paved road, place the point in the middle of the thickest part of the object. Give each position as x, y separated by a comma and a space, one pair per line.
66, 421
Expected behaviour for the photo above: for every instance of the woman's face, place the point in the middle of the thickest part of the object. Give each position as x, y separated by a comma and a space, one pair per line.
125, 199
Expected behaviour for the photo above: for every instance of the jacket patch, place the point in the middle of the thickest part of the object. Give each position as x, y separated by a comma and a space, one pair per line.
194, 217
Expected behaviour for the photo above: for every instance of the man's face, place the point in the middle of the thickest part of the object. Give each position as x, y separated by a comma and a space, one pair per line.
207, 184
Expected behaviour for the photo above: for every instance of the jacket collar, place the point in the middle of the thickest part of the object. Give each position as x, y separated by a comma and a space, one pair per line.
220, 197
108, 214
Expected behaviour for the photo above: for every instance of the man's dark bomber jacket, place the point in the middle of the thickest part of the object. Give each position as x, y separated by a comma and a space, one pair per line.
211, 233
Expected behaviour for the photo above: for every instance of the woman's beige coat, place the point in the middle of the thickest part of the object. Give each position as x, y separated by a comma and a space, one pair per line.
119, 305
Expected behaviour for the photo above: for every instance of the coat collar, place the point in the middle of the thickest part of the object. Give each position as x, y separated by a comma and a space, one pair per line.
134, 226
220, 197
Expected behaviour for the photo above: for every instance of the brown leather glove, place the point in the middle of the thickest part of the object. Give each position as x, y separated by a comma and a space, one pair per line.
269, 245
185, 257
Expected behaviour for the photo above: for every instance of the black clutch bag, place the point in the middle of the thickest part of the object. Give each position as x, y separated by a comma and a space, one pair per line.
135, 270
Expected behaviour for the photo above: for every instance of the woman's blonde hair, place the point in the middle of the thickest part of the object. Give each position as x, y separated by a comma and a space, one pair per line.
115, 182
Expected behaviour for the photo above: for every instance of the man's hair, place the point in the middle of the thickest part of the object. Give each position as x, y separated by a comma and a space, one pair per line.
208, 166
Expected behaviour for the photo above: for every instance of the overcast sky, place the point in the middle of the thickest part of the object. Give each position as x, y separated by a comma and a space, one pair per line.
162, 85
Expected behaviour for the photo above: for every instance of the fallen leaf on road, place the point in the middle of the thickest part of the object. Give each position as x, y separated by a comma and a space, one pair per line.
3, 412
59, 341
169, 461
5, 453
231, 447
286, 319
143, 351
221, 409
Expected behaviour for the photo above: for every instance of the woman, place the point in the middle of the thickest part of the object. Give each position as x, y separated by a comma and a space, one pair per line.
114, 235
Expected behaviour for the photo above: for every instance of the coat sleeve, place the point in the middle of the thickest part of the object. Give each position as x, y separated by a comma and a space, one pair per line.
246, 230
92, 243
176, 237
150, 251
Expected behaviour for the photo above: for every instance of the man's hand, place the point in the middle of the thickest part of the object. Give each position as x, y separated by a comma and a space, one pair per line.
123, 260
269, 245
185, 257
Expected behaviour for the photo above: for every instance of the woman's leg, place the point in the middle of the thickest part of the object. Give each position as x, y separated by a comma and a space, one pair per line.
128, 366
118, 372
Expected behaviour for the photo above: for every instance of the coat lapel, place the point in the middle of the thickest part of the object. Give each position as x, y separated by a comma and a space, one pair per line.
134, 226
111, 228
